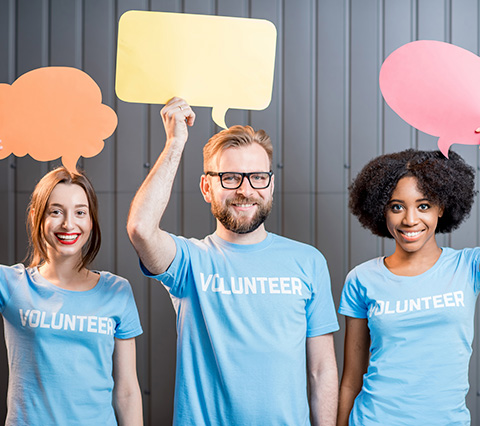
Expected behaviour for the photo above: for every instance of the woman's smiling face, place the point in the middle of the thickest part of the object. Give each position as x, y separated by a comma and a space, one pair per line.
411, 217
67, 223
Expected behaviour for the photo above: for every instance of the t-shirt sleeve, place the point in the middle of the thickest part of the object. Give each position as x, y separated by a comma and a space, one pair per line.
475, 262
175, 277
320, 309
9, 276
352, 302
128, 325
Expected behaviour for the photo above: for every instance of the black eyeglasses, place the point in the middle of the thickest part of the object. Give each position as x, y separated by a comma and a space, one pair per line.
234, 180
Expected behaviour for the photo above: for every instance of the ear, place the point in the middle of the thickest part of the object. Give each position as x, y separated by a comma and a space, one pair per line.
205, 187
440, 212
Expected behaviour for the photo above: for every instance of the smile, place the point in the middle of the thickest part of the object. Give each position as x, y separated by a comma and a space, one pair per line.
243, 205
68, 238
412, 235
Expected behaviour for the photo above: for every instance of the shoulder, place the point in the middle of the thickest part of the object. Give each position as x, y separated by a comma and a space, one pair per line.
192, 243
469, 254
114, 282
285, 243
366, 268
13, 272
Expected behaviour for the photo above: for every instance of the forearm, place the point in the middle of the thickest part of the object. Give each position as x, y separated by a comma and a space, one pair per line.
345, 404
355, 364
324, 397
151, 200
128, 406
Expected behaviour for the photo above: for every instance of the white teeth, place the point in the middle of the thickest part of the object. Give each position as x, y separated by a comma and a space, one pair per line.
412, 234
244, 205
67, 237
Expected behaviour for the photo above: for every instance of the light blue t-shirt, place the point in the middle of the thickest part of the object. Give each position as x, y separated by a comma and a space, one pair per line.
243, 315
60, 345
421, 332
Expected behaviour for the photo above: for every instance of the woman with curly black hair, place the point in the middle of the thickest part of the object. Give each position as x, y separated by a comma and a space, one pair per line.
409, 316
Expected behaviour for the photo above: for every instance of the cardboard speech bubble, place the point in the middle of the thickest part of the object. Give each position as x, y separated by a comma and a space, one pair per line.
214, 61
435, 87
54, 112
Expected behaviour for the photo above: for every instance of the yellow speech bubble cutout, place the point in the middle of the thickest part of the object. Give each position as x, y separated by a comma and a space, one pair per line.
215, 61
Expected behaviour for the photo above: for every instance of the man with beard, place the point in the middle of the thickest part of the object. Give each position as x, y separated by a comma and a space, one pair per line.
254, 310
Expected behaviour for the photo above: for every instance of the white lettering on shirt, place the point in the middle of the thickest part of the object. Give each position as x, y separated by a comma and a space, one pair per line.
438, 301
250, 285
58, 321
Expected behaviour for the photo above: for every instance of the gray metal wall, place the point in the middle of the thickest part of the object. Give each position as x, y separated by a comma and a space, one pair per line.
327, 118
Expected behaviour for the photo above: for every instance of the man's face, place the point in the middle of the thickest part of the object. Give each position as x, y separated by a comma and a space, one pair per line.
242, 210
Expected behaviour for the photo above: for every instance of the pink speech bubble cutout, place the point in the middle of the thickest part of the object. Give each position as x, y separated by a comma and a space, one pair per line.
435, 87
54, 112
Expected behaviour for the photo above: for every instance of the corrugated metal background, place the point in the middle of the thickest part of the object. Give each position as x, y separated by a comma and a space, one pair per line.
326, 119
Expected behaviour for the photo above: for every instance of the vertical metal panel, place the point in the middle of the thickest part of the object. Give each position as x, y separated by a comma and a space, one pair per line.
298, 119
330, 99
7, 177
363, 125
397, 26
330, 96
65, 29
7, 172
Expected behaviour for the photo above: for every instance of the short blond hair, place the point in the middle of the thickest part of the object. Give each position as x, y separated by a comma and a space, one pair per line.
234, 137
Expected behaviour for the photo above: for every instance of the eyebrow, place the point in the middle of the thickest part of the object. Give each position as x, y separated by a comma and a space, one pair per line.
401, 201
61, 205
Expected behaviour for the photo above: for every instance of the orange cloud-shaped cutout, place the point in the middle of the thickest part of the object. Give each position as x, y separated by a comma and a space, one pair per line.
54, 112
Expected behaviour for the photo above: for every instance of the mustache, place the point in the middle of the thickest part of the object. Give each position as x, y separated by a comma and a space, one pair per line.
241, 200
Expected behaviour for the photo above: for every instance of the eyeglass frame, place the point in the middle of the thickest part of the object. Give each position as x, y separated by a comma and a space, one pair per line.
244, 175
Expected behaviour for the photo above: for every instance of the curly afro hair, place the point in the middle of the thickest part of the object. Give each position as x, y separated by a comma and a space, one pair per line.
446, 182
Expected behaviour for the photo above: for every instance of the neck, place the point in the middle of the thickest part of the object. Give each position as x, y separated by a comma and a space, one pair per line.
64, 273
253, 237
406, 263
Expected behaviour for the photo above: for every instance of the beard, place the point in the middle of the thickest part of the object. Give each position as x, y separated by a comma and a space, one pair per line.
241, 225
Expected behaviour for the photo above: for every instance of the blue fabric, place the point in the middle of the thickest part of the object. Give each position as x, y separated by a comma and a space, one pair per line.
243, 315
60, 345
421, 332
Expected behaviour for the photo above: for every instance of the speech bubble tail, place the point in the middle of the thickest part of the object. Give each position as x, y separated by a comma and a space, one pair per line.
218, 116
443, 145
70, 163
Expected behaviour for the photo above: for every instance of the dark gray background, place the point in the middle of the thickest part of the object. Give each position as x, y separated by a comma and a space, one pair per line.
327, 118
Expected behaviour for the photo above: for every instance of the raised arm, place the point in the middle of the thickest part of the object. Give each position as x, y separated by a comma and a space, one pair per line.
154, 246
357, 343
323, 380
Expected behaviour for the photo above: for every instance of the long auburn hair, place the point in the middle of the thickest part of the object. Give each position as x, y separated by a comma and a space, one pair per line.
36, 216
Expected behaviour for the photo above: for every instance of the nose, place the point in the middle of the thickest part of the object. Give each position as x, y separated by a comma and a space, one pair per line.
411, 217
68, 221
245, 188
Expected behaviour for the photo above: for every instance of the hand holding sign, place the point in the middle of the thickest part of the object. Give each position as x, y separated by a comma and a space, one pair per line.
435, 87
208, 60
54, 112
